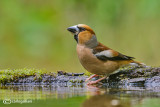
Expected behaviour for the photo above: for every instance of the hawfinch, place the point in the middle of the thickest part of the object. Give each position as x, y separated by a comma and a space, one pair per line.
96, 57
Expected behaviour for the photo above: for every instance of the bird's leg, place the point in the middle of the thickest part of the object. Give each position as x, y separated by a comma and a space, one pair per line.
91, 77
95, 82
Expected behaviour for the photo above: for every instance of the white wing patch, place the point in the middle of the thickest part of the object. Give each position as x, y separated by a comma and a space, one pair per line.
106, 53
133, 64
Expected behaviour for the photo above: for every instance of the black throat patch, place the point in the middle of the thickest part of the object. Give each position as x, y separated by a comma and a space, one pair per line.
76, 38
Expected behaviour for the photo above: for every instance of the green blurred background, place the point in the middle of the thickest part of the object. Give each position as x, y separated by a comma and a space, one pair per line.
33, 32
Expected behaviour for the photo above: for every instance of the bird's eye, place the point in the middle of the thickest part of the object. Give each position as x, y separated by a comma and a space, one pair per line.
81, 29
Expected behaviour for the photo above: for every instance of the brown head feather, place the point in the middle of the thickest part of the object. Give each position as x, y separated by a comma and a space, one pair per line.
85, 35
87, 28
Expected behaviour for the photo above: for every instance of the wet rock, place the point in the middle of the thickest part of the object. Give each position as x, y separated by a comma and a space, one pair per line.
153, 82
69, 74
62, 77
72, 79
145, 76
131, 76
137, 80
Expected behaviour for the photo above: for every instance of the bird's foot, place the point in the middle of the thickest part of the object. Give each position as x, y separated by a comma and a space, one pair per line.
91, 77
92, 82
95, 82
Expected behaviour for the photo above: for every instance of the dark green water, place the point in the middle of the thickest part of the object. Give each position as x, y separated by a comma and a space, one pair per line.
77, 96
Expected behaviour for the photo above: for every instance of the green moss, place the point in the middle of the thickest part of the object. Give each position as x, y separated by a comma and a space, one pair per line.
8, 75
87, 73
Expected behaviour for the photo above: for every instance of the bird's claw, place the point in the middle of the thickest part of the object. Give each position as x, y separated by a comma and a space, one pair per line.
92, 82
87, 80
90, 77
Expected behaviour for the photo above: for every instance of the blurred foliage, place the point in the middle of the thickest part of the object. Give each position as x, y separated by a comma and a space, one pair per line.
33, 32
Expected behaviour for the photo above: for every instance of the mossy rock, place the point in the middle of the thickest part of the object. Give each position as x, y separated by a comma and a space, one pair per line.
125, 76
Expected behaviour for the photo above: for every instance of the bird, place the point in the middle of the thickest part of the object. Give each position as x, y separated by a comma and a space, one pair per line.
95, 57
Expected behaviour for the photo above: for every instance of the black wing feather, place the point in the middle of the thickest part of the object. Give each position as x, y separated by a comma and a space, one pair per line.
119, 57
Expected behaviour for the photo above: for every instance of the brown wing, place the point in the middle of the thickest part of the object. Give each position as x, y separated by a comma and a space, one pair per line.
104, 53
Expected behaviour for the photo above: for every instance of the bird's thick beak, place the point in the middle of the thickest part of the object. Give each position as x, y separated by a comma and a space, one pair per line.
73, 29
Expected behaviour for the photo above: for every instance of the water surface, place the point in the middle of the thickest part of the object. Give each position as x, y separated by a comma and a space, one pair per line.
77, 96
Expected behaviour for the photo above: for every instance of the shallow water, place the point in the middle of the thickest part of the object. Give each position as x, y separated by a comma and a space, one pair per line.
77, 96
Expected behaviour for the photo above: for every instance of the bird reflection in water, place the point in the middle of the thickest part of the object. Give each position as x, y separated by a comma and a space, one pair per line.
100, 98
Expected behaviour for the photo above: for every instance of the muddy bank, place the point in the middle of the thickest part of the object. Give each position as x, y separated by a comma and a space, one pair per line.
128, 76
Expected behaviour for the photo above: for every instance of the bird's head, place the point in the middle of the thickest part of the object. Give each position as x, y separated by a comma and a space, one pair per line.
84, 35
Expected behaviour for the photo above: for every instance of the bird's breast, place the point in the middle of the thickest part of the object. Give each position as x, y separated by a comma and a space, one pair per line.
86, 56
92, 64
